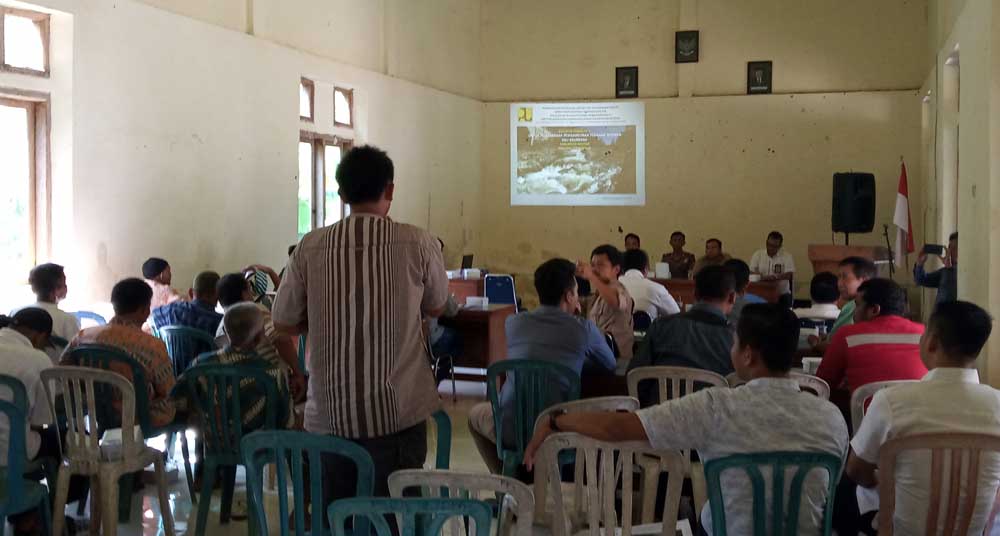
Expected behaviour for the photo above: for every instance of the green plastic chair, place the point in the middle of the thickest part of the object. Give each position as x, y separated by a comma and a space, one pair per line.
19, 494
442, 457
533, 381
416, 516
296, 450
109, 358
184, 345
214, 391
784, 521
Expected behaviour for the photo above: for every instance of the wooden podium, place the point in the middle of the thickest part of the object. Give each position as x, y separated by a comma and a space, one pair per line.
827, 257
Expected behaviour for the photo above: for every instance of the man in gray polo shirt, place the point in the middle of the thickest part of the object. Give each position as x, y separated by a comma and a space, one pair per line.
551, 332
767, 414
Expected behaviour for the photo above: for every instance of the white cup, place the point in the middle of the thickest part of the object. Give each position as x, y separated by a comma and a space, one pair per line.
811, 364
754, 278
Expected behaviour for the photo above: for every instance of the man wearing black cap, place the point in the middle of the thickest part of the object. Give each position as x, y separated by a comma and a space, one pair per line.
156, 271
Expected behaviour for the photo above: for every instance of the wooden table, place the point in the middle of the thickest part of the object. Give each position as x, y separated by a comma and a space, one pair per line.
683, 289
484, 337
462, 289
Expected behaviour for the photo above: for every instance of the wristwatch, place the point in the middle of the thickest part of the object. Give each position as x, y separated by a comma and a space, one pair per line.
552, 419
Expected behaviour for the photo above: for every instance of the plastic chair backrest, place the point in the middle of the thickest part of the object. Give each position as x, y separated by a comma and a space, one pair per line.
534, 383
603, 476
99, 356
812, 384
91, 316
215, 392
82, 388
784, 517
599, 403
951, 454
641, 320
499, 288
442, 423
436, 484
184, 345
14, 410
296, 453
431, 513
863, 395
672, 382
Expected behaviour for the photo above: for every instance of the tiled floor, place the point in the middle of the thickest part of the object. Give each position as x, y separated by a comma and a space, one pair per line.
146, 509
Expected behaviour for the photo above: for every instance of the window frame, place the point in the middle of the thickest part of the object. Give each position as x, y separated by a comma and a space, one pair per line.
44, 22
319, 143
39, 108
349, 93
311, 87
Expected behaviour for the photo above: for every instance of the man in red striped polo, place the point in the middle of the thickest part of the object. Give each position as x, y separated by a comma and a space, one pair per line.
881, 345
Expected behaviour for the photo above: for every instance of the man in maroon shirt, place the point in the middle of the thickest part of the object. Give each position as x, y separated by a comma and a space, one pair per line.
881, 345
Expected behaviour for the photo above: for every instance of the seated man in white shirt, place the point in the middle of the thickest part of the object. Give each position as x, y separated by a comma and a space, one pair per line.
775, 264
770, 413
949, 399
824, 294
48, 282
650, 297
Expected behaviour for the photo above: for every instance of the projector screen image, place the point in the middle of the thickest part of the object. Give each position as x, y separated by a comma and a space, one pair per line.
577, 154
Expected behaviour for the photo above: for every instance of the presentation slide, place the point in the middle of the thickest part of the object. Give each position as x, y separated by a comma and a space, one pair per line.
577, 154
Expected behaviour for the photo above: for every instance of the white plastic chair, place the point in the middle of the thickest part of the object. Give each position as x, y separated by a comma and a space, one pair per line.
518, 501
813, 384
84, 455
599, 403
682, 381
863, 394
603, 474
951, 498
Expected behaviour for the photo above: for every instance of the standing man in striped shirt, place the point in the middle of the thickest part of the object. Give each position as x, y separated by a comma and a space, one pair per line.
360, 288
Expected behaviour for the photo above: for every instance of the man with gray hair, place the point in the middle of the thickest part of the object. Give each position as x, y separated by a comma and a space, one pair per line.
244, 323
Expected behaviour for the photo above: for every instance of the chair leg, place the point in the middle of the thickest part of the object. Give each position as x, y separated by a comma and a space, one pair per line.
650, 483
109, 504
187, 466
228, 487
699, 487
95, 505
161, 485
454, 387
207, 483
62, 491
47, 516
126, 486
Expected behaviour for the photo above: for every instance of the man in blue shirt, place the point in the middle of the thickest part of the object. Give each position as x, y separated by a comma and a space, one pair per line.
199, 313
552, 332
741, 276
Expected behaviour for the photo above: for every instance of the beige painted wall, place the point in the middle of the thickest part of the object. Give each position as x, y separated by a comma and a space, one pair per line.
973, 28
431, 42
568, 49
184, 145
727, 167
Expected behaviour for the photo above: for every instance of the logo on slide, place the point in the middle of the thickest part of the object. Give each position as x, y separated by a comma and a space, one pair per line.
524, 114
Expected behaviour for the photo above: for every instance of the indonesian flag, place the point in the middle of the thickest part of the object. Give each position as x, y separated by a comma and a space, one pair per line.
904, 226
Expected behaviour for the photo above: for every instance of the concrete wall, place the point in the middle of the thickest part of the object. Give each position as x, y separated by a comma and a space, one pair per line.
963, 108
184, 144
434, 43
727, 167
568, 49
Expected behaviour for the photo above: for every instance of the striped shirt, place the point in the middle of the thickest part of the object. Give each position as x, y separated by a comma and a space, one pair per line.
361, 286
882, 349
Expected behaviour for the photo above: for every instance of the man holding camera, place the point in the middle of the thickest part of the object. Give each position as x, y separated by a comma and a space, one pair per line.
945, 279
